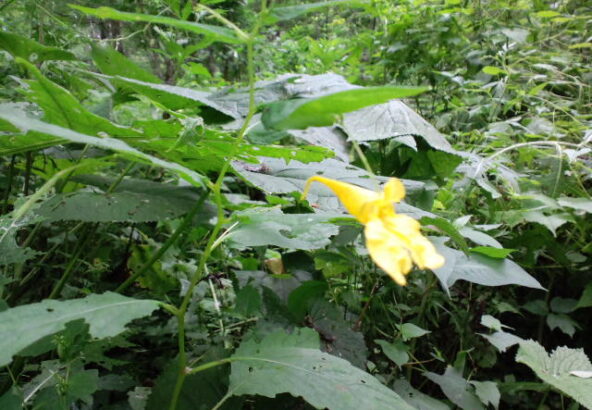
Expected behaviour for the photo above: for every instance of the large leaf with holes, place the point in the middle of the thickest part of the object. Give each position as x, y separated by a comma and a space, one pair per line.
481, 269
216, 33
327, 109
106, 314
293, 363
269, 226
10, 251
568, 370
33, 126
31, 50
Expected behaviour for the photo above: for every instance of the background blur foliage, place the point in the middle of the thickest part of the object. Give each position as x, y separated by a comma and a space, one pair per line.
154, 249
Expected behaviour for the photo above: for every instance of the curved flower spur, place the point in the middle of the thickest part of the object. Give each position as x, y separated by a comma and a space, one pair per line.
394, 241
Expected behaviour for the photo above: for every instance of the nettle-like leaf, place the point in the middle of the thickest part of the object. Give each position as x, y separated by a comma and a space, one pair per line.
10, 251
562, 369
112, 62
269, 226
456, 388
289, 12
295, 365
33, 126
327, 109
31, 50
481, 269
216, 33
106, 314
133, 200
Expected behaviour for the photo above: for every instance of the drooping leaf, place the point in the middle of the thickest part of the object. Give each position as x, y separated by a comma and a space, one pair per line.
106, 314
296, 365
326, 110
480, 269
502, 340
31, 50
34, 126
112, 62
216, 33
61, 108
555, 369
488, 393
457, 389
397, 351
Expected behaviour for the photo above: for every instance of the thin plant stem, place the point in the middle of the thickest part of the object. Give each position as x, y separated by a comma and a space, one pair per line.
221, 220
169, 242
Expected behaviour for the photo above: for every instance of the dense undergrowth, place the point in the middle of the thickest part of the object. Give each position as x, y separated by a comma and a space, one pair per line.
155, 249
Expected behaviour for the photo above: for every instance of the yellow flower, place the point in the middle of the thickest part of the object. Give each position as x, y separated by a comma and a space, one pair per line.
393, 240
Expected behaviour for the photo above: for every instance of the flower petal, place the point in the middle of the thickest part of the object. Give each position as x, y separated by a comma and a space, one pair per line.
387, 251
351, 196
422, 251
394, 190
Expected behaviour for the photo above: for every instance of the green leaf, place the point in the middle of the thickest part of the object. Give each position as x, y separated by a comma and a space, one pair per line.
34, 126
248, 301
301, 298
457, 389
289, 12
10, 251
497, 253
201, 391
61, 108
487, 392
580, 204
480, 269
133, 200
555, 369
106, 314
397, 352
369, 124
562, 322
326, 110
112, 62
30, 49
494, 70
411, 331
586, 298
216, 33
296, 366
269, 226
502, 340
448, 229
417, 399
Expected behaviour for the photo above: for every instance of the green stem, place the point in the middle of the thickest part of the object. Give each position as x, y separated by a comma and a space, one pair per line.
221, 220
169, 242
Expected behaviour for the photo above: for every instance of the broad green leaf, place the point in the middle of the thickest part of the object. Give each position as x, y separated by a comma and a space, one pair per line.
269, 226
563, 305
216, 33
397, 352
296, 365
502, 340
491, 322
417, 399
248, 301
449, 229
411, 331
30, 49
12, 399
371, 124
106, 314
480, 238
290, 12
339, 339
457, 389
112, 62
10, 251
562, 322
301, 298
480, 269
487, 392
555, 369
326, 110
580, 204
29, 125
